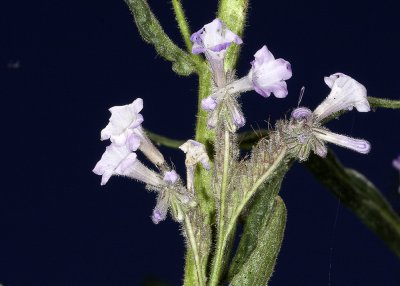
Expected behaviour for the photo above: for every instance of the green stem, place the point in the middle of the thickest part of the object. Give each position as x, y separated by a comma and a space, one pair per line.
195, 251
221, 243
182, 23
203, 133
383, 102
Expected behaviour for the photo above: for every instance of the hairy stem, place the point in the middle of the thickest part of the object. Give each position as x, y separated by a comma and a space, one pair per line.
221, 244
195, 251
182, 23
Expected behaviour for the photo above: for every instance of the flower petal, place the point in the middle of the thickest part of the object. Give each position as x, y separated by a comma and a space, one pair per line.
268, 74
214, 38
345, 94
358, 145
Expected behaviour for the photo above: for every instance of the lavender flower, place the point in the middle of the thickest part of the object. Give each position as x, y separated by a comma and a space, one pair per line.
125, 128
213, 40
170, 177
307, 130
161, 209
267, 75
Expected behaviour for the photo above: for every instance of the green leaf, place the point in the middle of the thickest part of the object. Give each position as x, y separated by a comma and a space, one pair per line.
257, 216
266, 240
152, 32
360, 195
233, 13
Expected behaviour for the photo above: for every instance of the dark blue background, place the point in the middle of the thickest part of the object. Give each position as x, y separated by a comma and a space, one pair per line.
78, 58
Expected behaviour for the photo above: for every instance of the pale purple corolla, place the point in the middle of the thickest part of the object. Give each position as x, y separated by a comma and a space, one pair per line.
213, 40
173, 195
346, 93
119, 160
161, 209
170, 177
195, 153
267, 75
124, 128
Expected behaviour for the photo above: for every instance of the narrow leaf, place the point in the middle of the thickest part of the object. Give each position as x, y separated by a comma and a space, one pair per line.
152, 32
360, 195
257, 216
258, 268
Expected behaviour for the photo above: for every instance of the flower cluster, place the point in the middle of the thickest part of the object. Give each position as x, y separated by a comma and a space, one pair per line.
267, 75
127, 136
305, 132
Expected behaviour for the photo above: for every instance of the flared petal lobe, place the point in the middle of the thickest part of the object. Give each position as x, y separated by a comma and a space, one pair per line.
268, 74
123, 118
214, 38
346, 93
109, 162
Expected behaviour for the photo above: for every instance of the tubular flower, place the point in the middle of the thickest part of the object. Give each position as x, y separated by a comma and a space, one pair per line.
195, 153
125, 128
345, 94
213, 40
305, 131
119, 160
267, 75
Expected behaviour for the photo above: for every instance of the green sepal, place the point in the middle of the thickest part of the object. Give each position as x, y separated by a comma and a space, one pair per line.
152, 33
266, 240
360, 195
233, 13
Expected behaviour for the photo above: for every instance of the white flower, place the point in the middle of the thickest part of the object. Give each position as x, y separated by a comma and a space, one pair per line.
125, 128
112, 157
119, 160
122, 121
345, 94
